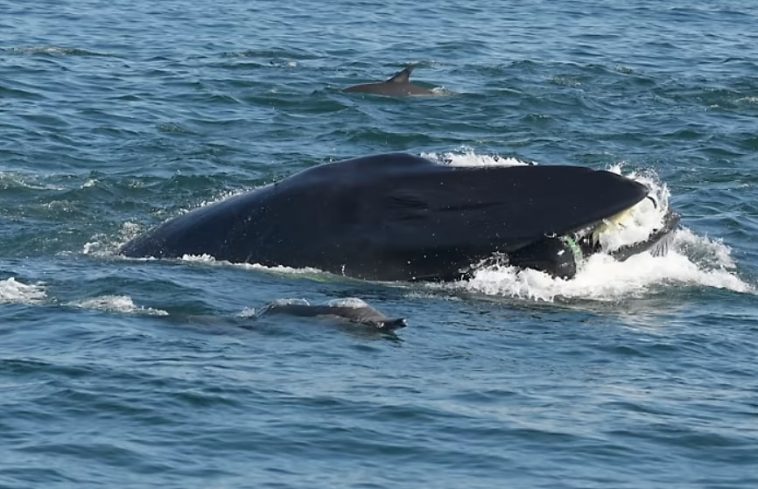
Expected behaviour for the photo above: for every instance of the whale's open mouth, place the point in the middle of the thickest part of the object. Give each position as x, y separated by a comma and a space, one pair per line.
643, 227
632, 231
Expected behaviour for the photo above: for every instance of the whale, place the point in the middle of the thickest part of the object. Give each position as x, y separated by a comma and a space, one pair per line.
351, 309
401, 217
398, 85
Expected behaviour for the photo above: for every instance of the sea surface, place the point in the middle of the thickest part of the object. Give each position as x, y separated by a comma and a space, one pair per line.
117, 115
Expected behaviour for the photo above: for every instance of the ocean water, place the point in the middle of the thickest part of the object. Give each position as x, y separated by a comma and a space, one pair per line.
115, 116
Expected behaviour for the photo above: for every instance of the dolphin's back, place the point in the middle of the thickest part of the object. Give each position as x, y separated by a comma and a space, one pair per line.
350, 309
399, 85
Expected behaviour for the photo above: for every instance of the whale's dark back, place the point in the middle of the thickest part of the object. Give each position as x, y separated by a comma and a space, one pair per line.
393, 217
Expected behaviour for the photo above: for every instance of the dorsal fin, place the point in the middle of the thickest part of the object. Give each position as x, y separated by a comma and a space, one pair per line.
403, 76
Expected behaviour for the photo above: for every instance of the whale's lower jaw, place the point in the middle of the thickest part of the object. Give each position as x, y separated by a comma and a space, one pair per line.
560, 256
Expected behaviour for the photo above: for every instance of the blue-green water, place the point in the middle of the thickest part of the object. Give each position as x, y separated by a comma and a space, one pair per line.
115, 116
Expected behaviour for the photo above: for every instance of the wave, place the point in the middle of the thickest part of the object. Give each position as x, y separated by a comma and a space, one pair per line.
15, 181
15, 292
51, 51
117, 303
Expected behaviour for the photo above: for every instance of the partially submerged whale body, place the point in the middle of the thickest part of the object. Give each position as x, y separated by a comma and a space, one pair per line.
352, 309
402, 217
398, 85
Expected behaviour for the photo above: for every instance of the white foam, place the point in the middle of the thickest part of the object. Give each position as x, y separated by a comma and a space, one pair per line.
117, 303
218, 198
291, 302
352, 302
603, 278
105, 245
706, 252
468, 157
204, 258
15, 292
210, 260
247, 313
90, 182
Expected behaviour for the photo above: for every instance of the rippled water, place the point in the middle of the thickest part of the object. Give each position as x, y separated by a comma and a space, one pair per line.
115, 116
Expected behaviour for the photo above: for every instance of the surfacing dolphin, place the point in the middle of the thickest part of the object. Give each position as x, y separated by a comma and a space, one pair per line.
351, 309
399, 85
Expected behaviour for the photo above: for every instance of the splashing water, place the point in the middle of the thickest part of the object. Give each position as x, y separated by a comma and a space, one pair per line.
468, 157
603, 278
15, 292
117, 303
353, 302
